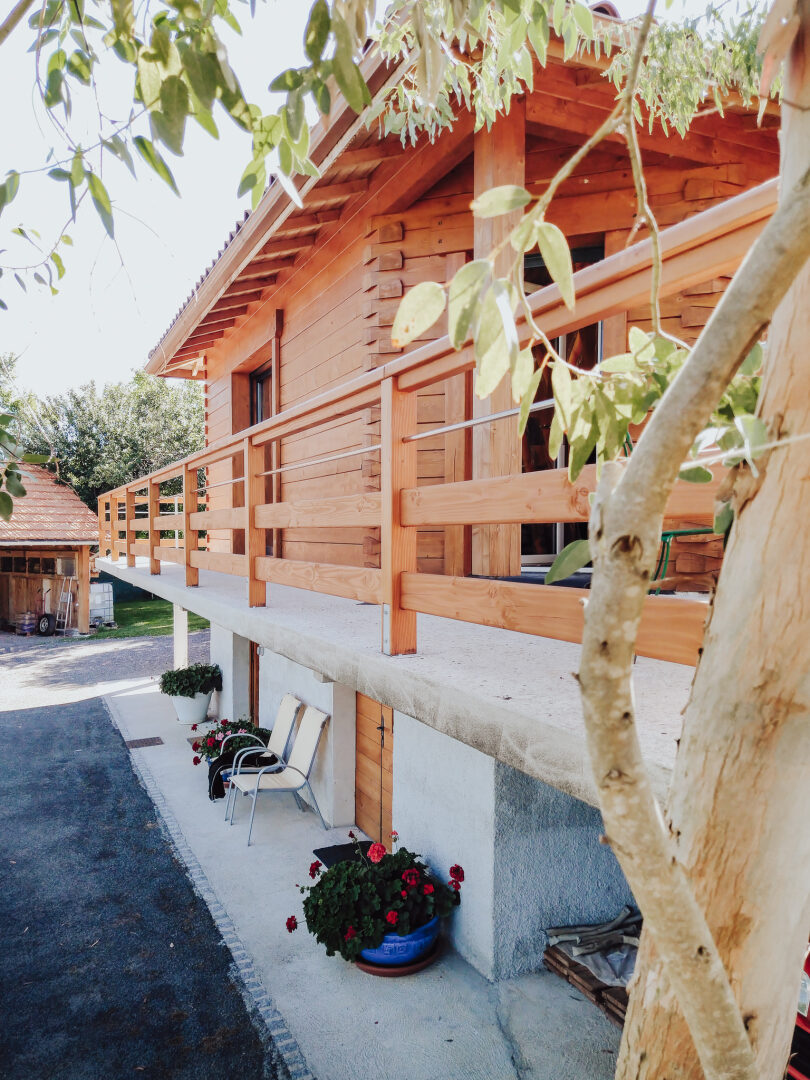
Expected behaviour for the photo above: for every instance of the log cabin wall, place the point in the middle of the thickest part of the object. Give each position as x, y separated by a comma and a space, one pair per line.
388, 218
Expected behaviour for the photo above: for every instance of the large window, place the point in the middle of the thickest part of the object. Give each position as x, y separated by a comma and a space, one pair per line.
261, 393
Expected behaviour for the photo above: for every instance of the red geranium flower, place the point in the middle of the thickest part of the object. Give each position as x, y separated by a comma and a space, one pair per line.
350, 933
193, 727
404, 894
197, 760
411, 878
392, 918
292, 924
210, 740
351, 835
456, 872
195, 746
428, 889
395, 836
454, 884
314, 868
376, 852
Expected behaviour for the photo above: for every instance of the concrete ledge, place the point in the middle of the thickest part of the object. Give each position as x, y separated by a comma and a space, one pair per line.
511, 696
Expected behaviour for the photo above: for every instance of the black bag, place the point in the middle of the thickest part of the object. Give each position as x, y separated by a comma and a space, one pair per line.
216, 788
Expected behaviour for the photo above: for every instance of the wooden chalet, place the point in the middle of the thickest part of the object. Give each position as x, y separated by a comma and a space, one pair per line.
340, 471
45, 552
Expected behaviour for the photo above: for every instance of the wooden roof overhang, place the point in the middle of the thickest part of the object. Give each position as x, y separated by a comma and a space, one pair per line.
569, 102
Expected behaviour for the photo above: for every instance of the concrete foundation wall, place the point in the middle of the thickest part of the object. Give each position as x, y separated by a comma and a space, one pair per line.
232, 653
531, 854
444, 810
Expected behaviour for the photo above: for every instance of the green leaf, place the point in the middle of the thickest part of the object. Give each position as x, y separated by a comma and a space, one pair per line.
288, 80
500, 200
6, 506
561, 387
14, 485
80, 66
557, 257
557, 15
153, 159
723, 518
753, 362
203, 73
347, 74
169, 123
621, 364
464, 294
522, 373
37, 459
527, 401
317, 31
294, 114
57, 262
419, 309
538, 32
695, 474
77, 172
572, 558
493, 348
584, 19
101, 201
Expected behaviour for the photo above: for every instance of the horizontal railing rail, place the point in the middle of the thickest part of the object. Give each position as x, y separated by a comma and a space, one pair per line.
706, 246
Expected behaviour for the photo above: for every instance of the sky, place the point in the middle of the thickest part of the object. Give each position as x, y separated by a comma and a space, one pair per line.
118, 298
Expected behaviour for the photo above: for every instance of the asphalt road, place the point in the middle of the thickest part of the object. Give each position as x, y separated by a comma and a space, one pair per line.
112, 966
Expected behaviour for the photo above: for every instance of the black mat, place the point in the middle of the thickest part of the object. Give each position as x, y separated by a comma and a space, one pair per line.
330, 856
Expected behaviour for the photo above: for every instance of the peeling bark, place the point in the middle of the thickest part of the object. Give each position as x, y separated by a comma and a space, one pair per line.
738, 808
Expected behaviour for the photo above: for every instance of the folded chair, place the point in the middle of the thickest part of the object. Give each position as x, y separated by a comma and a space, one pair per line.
291, 777
286, 715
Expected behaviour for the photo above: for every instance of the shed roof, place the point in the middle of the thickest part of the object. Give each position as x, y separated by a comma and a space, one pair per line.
50, 511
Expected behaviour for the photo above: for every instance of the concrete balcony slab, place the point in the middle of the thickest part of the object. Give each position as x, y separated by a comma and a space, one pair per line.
512, 696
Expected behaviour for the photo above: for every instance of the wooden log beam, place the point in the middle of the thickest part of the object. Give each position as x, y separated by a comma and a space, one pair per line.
671, 628
222, 562
302, 223
190, 537
270, 265
342, 511
154, 534
352, 582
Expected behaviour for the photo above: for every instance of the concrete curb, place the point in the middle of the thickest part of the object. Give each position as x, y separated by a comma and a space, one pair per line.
252, 986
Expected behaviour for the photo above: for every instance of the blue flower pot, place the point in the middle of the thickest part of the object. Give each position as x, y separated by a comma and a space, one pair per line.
406, 948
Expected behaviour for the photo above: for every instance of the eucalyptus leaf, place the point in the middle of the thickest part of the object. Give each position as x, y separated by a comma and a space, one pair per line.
101, 201
500, 200
317, 31
153, 158
6, 506
557, 257
464, 293
419, 309
572, 558
695, 474
492, 347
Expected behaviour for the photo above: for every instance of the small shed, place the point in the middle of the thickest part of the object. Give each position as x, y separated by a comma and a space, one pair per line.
45, 552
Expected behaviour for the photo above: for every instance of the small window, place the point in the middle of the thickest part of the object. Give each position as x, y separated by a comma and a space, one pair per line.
49, 567
6, 564
67, 567
19, 564
34, 565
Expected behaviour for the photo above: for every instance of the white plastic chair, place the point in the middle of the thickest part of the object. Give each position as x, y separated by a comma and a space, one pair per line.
292, 777
286, 715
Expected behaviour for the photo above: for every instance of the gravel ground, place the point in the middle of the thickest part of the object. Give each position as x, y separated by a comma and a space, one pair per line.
44, 671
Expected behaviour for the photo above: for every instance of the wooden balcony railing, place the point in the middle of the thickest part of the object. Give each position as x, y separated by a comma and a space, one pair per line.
706, 246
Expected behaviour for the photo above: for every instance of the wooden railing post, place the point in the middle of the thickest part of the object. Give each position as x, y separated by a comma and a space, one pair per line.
129, 503
153, 506
189, 534
102, 511
114, 528
398, 543
255, 546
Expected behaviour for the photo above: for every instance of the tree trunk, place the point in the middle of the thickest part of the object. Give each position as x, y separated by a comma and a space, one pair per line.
740, 797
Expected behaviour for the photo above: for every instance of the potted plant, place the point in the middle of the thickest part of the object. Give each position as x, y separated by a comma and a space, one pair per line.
380, 909
190, 689
208, 744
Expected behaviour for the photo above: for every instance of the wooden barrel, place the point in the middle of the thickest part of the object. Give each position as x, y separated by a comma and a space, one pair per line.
26, 622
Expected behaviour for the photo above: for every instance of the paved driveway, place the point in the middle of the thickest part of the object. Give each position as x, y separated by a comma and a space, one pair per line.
112, 966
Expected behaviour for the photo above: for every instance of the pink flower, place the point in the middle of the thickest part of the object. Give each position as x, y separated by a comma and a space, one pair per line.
292, 924
376, 852
392, 918
242, 731
219, 736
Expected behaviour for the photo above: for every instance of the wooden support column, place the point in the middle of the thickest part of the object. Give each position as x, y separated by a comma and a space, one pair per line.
114, 528
614, 329
83, 582
255, 544
398, 544
499, 158
102, 511
129, 504
190, 535
457, 449
275, 451
153, 503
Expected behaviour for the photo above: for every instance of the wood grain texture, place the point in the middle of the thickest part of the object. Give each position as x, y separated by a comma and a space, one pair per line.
255, 542
672, 628
223, 562
342, 511
398, 544
355, 583
190, 539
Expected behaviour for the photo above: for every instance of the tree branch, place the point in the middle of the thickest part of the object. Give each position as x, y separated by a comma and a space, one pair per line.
624, 533
13, 18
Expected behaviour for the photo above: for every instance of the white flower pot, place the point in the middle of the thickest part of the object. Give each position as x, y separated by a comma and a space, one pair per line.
192, 710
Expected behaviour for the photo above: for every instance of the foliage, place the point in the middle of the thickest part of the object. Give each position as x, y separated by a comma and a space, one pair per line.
191, 680
468, 53
102, 439
355, 903
142, 618
12, 449
208, 745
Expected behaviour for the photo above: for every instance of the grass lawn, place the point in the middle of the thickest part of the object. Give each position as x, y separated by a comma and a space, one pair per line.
139, 618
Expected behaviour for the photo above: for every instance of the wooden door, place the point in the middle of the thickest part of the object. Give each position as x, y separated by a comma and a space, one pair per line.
254, 683
373, 783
